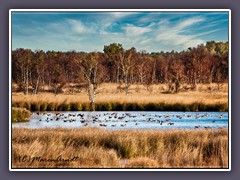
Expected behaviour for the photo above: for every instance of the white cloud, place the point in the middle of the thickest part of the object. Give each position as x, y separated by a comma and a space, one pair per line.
78, 27
145, 32
145, 41
176, 34
119, 15
207, 32
187, 22
132, 30
110, 19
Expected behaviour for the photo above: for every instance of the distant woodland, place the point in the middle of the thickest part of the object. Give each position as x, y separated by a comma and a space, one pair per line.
32, 70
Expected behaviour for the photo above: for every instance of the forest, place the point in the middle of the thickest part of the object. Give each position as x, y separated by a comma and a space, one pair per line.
34, 70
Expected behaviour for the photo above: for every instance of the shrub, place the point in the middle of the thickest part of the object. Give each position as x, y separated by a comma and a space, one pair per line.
27, 105
20, 114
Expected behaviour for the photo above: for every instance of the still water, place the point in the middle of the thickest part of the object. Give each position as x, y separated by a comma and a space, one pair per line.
128, 120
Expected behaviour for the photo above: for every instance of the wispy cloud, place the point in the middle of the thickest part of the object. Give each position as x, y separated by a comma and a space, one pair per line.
121, 14
175, 34
132, 30
78, 27
145, 31
187, 22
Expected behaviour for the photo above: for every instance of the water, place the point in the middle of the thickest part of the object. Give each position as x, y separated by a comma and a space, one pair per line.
127, 120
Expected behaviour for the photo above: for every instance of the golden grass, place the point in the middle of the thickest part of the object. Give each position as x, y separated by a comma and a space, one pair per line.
20, 114
138, 94
97, 148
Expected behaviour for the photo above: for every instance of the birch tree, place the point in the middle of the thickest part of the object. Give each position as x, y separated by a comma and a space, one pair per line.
93, 73
125, 64
39, 68
23, 63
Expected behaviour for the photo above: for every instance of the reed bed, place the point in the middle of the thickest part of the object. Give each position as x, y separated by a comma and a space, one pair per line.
98, 148
138, 100
116, 106
20, 114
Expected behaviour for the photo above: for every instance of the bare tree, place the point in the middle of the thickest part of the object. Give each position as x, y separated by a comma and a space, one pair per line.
93, 73
39, 68
23, 63
125, 64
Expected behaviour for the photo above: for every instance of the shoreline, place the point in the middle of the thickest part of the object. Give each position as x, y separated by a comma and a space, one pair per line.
116, 106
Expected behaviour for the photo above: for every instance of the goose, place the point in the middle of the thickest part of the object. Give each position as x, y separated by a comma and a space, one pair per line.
207, 127
220, 116
72, 120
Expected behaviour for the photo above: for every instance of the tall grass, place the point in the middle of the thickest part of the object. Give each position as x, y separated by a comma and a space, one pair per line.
116, 106
140, 100
97, 148
20, 115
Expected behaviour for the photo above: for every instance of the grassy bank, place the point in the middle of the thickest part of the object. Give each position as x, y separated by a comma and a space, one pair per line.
20, 114
120, 149
139, 99
117, 106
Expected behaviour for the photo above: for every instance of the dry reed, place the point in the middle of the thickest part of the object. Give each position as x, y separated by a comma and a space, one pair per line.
97, 148
109, 99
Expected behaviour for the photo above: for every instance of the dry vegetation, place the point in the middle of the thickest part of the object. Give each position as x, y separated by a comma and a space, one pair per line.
97, 148
108, 93
20, 114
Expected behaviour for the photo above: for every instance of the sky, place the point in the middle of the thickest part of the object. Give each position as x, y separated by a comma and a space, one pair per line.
90, 31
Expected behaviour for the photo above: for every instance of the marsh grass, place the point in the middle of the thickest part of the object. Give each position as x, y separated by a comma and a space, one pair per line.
20, 115
139, 99
116, 106
97, 148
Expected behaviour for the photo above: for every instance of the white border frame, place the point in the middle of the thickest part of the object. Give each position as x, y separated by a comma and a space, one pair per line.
119, 10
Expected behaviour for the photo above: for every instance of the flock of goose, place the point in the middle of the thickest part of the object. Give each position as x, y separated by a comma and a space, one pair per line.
123, 119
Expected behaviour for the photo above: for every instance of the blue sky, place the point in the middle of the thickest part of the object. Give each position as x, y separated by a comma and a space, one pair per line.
90, 31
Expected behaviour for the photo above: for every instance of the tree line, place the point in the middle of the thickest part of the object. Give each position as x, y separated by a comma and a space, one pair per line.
31, 70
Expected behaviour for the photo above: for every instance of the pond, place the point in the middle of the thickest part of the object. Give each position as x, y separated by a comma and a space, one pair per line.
127, 120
